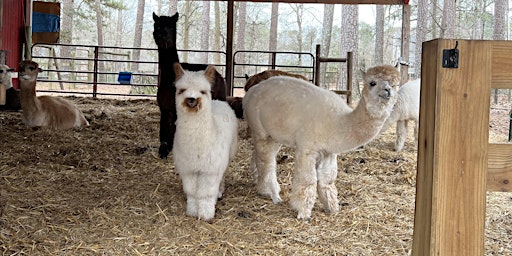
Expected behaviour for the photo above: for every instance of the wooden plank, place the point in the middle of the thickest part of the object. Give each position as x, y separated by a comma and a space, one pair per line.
502, 65
499, 171
455, 151
331, 1
424, 178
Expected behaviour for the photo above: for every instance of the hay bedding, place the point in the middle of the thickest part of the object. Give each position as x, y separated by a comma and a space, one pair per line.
102, 190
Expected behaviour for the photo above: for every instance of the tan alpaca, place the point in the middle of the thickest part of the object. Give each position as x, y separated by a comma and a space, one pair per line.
319, 125
264, 75
45, 111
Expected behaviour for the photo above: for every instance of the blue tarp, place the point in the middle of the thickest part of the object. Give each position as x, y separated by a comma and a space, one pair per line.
44, 22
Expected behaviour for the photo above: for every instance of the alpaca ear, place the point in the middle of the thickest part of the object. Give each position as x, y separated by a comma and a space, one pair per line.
210, 73
178, 70
246, 77
155, 17
39, 70
362, 72
175, 17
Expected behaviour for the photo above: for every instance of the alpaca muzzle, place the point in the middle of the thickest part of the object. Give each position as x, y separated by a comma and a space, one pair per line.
192, 104
385, 93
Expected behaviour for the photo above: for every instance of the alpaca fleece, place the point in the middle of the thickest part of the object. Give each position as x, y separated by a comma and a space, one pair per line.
320, 125
205, 141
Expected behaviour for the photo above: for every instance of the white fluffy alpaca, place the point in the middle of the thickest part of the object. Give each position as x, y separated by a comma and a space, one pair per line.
320, 125
407, 108
205, 141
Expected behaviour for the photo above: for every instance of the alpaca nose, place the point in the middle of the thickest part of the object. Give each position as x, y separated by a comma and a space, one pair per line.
191, 102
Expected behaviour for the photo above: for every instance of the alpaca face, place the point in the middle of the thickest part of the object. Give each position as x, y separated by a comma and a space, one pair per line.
193, 89
164, 31
4, 70
382, 83
29, 70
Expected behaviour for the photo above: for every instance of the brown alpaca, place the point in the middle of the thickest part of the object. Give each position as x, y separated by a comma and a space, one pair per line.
45, 111
256, 79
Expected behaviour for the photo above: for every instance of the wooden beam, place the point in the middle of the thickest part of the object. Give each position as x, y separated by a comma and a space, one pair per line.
229, 48
386, 2
499, 176
452, 153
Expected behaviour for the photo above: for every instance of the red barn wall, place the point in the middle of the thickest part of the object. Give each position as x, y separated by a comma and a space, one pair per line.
13, 13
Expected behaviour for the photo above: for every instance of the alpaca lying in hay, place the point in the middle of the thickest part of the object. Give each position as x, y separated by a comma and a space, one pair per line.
9, 97
45, 111
407, 108
164, 35
205, 141
320, 125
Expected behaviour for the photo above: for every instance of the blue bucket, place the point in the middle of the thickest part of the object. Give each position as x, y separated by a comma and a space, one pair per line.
125, 77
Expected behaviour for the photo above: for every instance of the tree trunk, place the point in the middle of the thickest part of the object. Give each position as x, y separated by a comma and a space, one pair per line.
349, 41
433, 22
119, 28
185, 30
240, 37
299, 13
205, 32
448, 22
499, 31
274, 20
379, 35
406, 43
99, 27
173, 7
421, 31
137, 41
217, 36
326, 42
66, 35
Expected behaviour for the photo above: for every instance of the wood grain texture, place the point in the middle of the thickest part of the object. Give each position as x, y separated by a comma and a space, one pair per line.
450, 209
499, 171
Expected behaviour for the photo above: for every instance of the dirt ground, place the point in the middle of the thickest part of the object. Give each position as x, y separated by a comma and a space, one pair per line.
102, 190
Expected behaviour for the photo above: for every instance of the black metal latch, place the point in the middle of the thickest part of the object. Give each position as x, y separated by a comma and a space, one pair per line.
451, 57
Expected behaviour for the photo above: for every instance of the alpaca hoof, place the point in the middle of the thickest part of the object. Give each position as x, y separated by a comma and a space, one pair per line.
277, 200
164, 150
304, 216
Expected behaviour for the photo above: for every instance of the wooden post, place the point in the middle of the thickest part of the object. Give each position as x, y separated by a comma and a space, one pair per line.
453, 152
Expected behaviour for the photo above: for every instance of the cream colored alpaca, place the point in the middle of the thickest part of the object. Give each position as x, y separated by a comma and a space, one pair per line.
320, 125
45, 111
205, 141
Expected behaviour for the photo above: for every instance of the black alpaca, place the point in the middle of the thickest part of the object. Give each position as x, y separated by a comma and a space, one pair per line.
165, 38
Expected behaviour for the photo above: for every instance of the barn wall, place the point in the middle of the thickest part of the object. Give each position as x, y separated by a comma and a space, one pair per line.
12, 25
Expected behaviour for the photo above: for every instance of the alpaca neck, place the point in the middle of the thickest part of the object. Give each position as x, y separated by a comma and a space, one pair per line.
166, 58
195, 124
28, 98
366, 122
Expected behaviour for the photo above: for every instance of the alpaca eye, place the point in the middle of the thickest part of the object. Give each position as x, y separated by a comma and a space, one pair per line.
372, 83
181, 91
204, 92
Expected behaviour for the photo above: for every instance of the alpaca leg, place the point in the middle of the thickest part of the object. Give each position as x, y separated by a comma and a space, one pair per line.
401, 135
166, 133
264, 156
189, 187
207, 193
327, 171
303, 195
